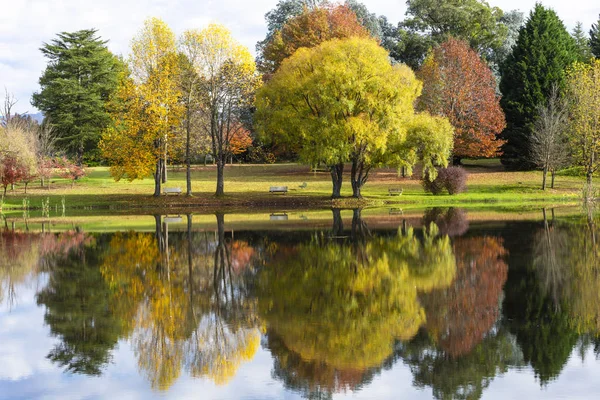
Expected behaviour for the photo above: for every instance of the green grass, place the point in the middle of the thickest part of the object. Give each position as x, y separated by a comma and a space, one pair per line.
247, 187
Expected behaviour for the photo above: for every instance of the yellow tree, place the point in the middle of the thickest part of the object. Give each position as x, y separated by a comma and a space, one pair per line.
227, 82
583, 89
146, 108
343, 101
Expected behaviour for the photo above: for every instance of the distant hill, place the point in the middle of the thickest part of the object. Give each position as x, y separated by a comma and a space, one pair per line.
39, 117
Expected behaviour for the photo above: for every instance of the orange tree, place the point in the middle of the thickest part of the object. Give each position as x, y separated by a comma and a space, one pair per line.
459, 85
310, 29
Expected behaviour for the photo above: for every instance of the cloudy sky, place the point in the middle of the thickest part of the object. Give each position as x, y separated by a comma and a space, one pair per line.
26, 24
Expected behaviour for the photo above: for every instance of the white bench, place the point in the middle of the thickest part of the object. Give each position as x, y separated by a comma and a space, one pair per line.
278, 189
174, 190
395, 191
172, 220
279, 217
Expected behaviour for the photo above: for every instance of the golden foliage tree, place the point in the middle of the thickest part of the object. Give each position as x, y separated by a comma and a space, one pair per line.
226, 86
146, 108
583, 90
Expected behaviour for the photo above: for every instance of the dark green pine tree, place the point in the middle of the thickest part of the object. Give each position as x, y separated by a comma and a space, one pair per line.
80, 77
595, 39
582, 42
543, 50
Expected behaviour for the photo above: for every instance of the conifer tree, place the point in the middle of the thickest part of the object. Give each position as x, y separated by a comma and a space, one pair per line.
582, 42
595, 39
538, 61
80, 77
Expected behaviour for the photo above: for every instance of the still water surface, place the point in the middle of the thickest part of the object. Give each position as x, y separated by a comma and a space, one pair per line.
428, 306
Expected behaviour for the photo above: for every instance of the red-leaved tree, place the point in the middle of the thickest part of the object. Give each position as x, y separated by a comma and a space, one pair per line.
70, 170
459, 85
10, 171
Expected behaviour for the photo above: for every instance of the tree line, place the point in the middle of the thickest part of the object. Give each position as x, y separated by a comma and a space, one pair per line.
333, 84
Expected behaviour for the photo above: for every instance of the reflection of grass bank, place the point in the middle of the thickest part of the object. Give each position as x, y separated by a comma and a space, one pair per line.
247, 186
375, 218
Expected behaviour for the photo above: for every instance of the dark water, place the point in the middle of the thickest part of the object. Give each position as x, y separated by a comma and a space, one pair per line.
429, 306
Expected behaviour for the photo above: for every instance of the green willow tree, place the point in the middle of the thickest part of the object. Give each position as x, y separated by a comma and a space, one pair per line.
80, 77
343, 101
537, 63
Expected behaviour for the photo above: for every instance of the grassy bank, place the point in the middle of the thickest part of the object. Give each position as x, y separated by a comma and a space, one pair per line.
247, 186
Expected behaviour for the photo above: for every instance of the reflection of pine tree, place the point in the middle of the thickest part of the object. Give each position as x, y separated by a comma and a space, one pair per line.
464, 377
78, 311
541, 325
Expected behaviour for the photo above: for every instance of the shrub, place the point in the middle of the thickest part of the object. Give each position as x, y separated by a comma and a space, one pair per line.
455, 179
434, 187
452, 179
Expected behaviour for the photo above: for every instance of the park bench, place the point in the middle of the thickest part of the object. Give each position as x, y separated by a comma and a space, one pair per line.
279, 217
278, 189
395, 191
174, 190
172, 219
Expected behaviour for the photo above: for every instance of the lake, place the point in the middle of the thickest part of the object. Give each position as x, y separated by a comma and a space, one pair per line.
361, 304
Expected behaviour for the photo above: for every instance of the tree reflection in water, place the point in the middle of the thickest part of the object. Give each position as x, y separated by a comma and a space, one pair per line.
333, 308
336, 308
188, 301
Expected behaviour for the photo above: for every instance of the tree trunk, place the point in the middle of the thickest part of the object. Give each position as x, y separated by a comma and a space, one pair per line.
338, 223
164, 170
589, 176
5, 186
545, 174
12, 187
359, 228
158, 177
358, 178
553, 174
188, 162
337, 172
26, 183
220, 175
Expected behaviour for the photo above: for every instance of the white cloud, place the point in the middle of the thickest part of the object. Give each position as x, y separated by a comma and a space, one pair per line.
26, 24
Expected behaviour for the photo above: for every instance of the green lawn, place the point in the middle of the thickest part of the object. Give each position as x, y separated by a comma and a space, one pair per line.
247, 186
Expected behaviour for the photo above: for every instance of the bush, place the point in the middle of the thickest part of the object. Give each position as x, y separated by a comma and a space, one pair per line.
434, 187
258, 155
452, 179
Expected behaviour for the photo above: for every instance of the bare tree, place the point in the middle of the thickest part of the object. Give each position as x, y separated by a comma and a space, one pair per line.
46, 139
549, 147
6, 112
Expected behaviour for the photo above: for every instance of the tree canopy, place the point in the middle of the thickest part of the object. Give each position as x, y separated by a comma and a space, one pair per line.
343, 101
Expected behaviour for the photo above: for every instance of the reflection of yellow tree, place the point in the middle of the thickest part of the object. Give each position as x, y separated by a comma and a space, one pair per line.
345, 305
584, 287
186, 302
